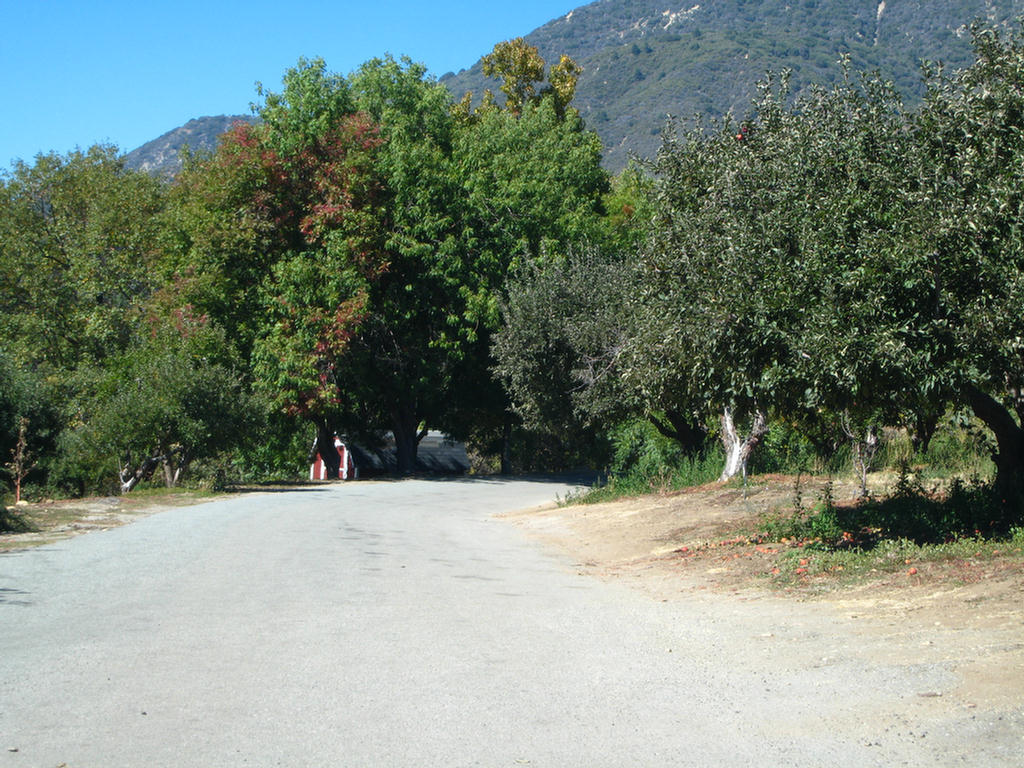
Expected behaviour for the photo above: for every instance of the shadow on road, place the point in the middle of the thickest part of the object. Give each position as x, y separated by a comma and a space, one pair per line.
9, 596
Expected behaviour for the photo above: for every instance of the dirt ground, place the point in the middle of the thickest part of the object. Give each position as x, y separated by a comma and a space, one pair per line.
967, 615
54, 520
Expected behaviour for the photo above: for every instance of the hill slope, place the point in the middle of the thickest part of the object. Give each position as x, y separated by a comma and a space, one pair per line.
644, 60
162, 156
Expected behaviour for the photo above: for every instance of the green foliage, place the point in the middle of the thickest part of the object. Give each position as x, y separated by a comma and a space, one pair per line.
311, 105
77, 243
689, 470
556, 353
340, 260
965, 510
533, 181
970, 153
822, 523
830, 259
852, 565
311, 309
957, 450
629, 210
174, 397
23, 395
785, 449
910, 512
640, 449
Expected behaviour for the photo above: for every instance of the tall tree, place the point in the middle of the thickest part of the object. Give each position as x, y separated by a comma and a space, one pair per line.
971, 245
778, 257
470, 195
77, 246
534, 187
279, 233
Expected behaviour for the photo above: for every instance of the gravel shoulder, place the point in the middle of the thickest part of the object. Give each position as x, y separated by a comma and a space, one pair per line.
55, 520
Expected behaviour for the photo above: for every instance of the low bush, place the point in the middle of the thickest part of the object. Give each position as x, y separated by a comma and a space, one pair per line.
911, 512
12, 522
645, 461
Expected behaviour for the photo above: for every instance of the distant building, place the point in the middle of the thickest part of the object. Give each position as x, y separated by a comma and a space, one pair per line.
437, 454
346, 471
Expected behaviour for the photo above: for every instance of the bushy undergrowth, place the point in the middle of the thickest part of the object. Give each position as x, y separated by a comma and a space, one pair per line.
911, 512
954, 450
645, 461
686, 472
949, 508
967, 556
12, 522
785, 450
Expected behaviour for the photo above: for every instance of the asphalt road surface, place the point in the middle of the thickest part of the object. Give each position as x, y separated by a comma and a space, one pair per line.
401, 624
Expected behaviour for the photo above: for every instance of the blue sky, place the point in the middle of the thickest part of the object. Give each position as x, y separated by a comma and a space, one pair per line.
76, 73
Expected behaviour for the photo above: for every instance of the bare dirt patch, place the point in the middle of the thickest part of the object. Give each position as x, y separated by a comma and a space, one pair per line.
965, 614
53, 520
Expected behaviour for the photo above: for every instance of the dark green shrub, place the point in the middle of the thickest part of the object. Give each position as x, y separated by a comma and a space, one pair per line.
784, 450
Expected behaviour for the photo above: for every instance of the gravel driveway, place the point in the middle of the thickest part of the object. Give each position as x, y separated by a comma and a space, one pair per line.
401, 624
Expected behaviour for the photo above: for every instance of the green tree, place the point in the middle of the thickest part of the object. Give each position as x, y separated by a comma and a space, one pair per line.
837, 260
312, 309
169, 400
375, 190
782, 270
278, 234
27, 412
77, 246
971, 166
534, 188
471, 195
565, 325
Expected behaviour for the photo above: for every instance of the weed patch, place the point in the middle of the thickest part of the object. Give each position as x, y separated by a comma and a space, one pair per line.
12, 521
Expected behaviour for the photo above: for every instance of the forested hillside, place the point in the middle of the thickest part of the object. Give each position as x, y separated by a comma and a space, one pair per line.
646, 59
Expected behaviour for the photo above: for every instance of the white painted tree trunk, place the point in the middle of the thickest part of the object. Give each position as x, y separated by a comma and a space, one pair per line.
131, 477
864, 447
737, 448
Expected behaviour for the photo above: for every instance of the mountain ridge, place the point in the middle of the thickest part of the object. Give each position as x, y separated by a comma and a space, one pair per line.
646, 61
162, 156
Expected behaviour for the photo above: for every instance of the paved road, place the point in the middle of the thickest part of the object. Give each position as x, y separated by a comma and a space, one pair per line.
399, 624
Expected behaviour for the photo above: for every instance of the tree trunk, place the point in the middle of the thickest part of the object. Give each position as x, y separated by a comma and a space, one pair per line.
170, 476
407, 434
738, 449
324, 445
863, 450
863, 455
130, 478
923, 430
176, 461
1009, 455
506, 447
685, 430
